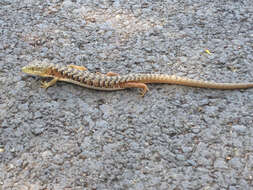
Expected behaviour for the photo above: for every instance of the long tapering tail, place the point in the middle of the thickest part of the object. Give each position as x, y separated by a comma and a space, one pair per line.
172, 79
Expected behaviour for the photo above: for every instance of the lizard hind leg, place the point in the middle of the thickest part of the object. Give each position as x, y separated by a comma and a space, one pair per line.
142, 86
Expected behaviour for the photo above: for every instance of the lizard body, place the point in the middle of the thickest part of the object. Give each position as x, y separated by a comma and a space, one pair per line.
111, 81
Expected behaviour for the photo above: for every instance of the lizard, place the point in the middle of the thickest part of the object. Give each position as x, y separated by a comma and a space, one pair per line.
112, 81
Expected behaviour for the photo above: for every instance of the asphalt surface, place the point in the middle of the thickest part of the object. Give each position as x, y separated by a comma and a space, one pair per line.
69, 137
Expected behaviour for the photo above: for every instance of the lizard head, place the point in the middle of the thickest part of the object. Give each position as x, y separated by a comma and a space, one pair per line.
37, 68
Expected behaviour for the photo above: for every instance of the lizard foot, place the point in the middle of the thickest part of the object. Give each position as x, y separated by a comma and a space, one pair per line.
142, 86
44, 84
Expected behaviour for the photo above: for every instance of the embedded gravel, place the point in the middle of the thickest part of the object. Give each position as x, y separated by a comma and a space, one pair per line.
69, 137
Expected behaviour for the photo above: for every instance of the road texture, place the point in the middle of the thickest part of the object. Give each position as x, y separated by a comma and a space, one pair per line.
69, 137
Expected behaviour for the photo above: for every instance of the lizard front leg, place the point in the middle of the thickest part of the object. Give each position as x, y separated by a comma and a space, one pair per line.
45, 84
110, 74
136, 85
80, 68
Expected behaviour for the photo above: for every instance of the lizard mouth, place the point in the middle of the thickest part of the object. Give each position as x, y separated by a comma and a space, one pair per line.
26, 70
31, 71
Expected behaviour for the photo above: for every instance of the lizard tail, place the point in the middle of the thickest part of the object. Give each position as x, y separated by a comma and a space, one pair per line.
172, 79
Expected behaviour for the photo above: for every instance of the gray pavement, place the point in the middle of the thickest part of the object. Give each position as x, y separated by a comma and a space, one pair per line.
69, 137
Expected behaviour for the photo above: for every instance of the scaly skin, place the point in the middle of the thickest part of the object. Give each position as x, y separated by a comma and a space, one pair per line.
111, 81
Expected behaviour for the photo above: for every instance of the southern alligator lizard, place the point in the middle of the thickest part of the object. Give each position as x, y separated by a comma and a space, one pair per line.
112, 81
